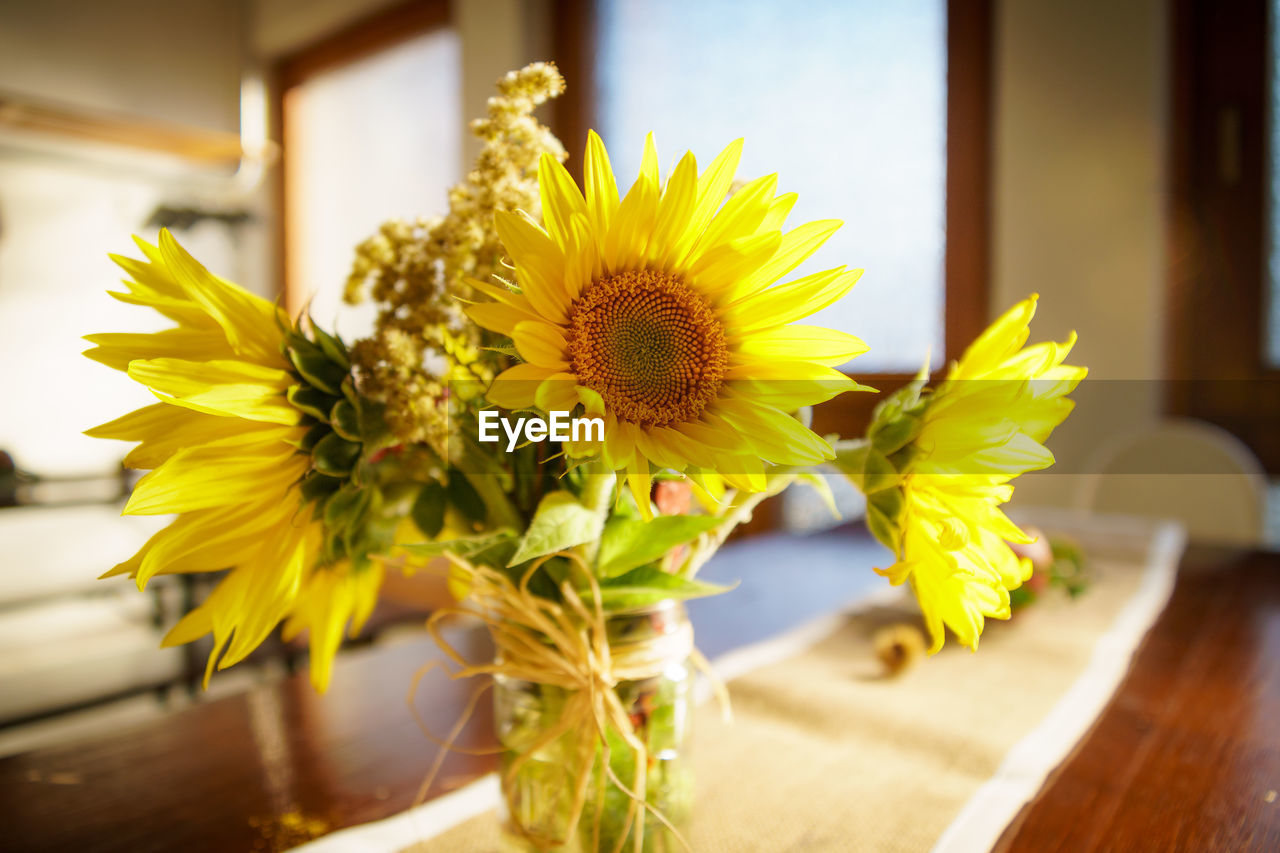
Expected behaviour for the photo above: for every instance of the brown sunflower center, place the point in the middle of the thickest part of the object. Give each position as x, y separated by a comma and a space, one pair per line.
649, 345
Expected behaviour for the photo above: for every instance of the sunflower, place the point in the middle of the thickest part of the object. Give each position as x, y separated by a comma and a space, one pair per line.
226, 445
939, 465
661, 313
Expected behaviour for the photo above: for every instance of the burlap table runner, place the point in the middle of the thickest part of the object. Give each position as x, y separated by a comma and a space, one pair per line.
825, 753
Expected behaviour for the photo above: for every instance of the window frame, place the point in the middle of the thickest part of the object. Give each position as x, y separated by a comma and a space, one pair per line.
367, 36
1219, 224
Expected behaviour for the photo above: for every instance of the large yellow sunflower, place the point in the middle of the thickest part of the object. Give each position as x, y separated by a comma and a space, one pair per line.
661, 312
983, 426
225, 444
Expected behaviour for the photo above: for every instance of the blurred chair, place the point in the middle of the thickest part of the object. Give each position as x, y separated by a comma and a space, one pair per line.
66, 638
1188, 470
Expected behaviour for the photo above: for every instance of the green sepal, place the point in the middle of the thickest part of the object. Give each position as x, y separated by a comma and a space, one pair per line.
335, 456
884, 514
888, 437
428, 509
332, 346
312, 401
647, 586
345, 420
372, 424
342, 508
313, 436
878, 473
318, 487
362, 532
349, 390
317, 369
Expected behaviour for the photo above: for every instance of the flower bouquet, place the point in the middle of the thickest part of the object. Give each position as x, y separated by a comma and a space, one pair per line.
573, 395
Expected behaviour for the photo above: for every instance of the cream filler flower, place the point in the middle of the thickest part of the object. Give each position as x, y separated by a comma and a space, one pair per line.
662, 313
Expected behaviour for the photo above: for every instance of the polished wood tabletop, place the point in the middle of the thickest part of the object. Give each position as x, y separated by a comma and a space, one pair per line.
1186, 756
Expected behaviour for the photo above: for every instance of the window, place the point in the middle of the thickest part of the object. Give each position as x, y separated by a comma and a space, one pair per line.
845, 100
367, 138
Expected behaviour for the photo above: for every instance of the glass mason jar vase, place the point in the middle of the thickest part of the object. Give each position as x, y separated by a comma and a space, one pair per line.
538, 800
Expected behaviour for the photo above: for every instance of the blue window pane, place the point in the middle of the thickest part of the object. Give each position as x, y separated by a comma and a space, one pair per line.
845, 99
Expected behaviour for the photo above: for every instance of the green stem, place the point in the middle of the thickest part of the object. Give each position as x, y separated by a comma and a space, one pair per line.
501, 511
597, 495
707, 545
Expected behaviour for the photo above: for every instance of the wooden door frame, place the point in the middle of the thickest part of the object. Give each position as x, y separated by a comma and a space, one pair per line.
367, 36
1218, 223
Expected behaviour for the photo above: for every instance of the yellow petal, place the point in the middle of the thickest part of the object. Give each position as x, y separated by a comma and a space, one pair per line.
540, 343
220, 387
516, 387
601, 187
539, 263
628, 239
213, 475
250, 322
785, 303
810, 343
742, 215
713, 187
722, 269
796, 247
561, 198
675, 210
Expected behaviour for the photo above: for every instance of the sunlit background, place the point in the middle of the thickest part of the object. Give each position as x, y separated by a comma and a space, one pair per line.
274, 135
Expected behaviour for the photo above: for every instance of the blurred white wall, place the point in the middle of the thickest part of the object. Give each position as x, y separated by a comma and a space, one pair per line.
1080, 191
179, 62
65, 204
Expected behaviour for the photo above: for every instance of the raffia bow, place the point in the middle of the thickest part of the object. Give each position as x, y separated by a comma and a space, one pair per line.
565, 645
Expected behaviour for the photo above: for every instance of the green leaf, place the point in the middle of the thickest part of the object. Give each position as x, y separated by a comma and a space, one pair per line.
560, 522
428, 509
630, 543
465, 499
645, 586
466, 547
819, 484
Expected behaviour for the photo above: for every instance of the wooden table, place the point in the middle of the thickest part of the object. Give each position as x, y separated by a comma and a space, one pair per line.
1187, 754
1183, 757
